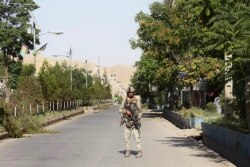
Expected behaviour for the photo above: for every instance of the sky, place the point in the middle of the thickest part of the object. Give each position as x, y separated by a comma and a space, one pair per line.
94, 29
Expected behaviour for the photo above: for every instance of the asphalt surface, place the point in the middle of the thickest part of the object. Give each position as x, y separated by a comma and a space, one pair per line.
96, 140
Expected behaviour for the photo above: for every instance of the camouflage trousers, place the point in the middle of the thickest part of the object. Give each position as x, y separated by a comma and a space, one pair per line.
127, 135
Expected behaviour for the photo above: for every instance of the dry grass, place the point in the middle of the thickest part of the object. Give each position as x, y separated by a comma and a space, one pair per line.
198, 112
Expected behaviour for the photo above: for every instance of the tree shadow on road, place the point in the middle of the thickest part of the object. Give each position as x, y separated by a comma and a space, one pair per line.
192, 144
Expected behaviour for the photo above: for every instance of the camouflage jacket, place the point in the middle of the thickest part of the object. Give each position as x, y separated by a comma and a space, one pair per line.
132, 105
134, 100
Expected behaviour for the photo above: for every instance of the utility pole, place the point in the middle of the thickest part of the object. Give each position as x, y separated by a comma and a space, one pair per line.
34, 26
71, 77
86, 70
98, 69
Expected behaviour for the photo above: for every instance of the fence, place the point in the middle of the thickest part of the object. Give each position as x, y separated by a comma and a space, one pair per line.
58, 105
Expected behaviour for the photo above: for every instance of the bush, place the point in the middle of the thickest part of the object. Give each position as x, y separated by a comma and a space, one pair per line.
17, 126
31, 124
119, 99
192, 112
210, 107
198, 112
232, 123
11, 124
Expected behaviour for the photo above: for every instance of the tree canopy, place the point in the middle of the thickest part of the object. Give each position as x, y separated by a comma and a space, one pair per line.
14, 25
186, 41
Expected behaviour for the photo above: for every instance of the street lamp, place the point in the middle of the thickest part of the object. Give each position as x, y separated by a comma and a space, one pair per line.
37, 35
34, 41
51, 32
35, 25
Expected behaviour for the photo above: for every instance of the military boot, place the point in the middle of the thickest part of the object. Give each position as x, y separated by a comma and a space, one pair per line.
139, 154
127, 153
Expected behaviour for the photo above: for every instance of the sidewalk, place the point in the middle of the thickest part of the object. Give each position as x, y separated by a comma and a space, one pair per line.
183, 138
186, 132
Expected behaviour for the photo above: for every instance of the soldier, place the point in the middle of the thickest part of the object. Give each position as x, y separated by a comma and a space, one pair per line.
131, 110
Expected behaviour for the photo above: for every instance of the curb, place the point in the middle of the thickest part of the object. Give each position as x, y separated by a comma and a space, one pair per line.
4, 134
53, 121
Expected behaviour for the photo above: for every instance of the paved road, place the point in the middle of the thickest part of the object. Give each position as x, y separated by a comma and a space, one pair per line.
95, 140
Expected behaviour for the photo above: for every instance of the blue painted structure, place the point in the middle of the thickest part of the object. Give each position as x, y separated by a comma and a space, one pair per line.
195, 122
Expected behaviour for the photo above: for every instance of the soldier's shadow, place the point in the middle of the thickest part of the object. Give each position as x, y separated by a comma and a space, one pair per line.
133, 152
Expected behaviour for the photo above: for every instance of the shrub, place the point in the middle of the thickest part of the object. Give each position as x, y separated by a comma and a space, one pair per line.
17, 126
31, 124
192, 112
232, 123
186, 113
119, 99
210, 107
11, 124
198, 112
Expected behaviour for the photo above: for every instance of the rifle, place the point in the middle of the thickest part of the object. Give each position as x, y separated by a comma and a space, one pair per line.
123, 119
133, 108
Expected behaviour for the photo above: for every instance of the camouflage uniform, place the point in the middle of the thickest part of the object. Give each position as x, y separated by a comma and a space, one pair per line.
128, 130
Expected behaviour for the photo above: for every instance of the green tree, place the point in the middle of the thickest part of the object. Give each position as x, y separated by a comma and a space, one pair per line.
163, 36
28, 70
200, 10
79, 80
144, 75
192, 37
171, 36
55, 82
230, 33
98, 91
200, 68
28, 89
14, 23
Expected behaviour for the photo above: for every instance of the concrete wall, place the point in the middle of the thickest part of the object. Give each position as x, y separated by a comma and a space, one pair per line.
182, 122
176, 118
233, 145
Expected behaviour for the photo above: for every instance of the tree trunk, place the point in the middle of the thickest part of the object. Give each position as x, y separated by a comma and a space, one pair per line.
248, 105
191, 95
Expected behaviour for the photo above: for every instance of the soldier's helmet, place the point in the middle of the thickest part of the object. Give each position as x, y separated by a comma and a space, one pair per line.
130, 89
